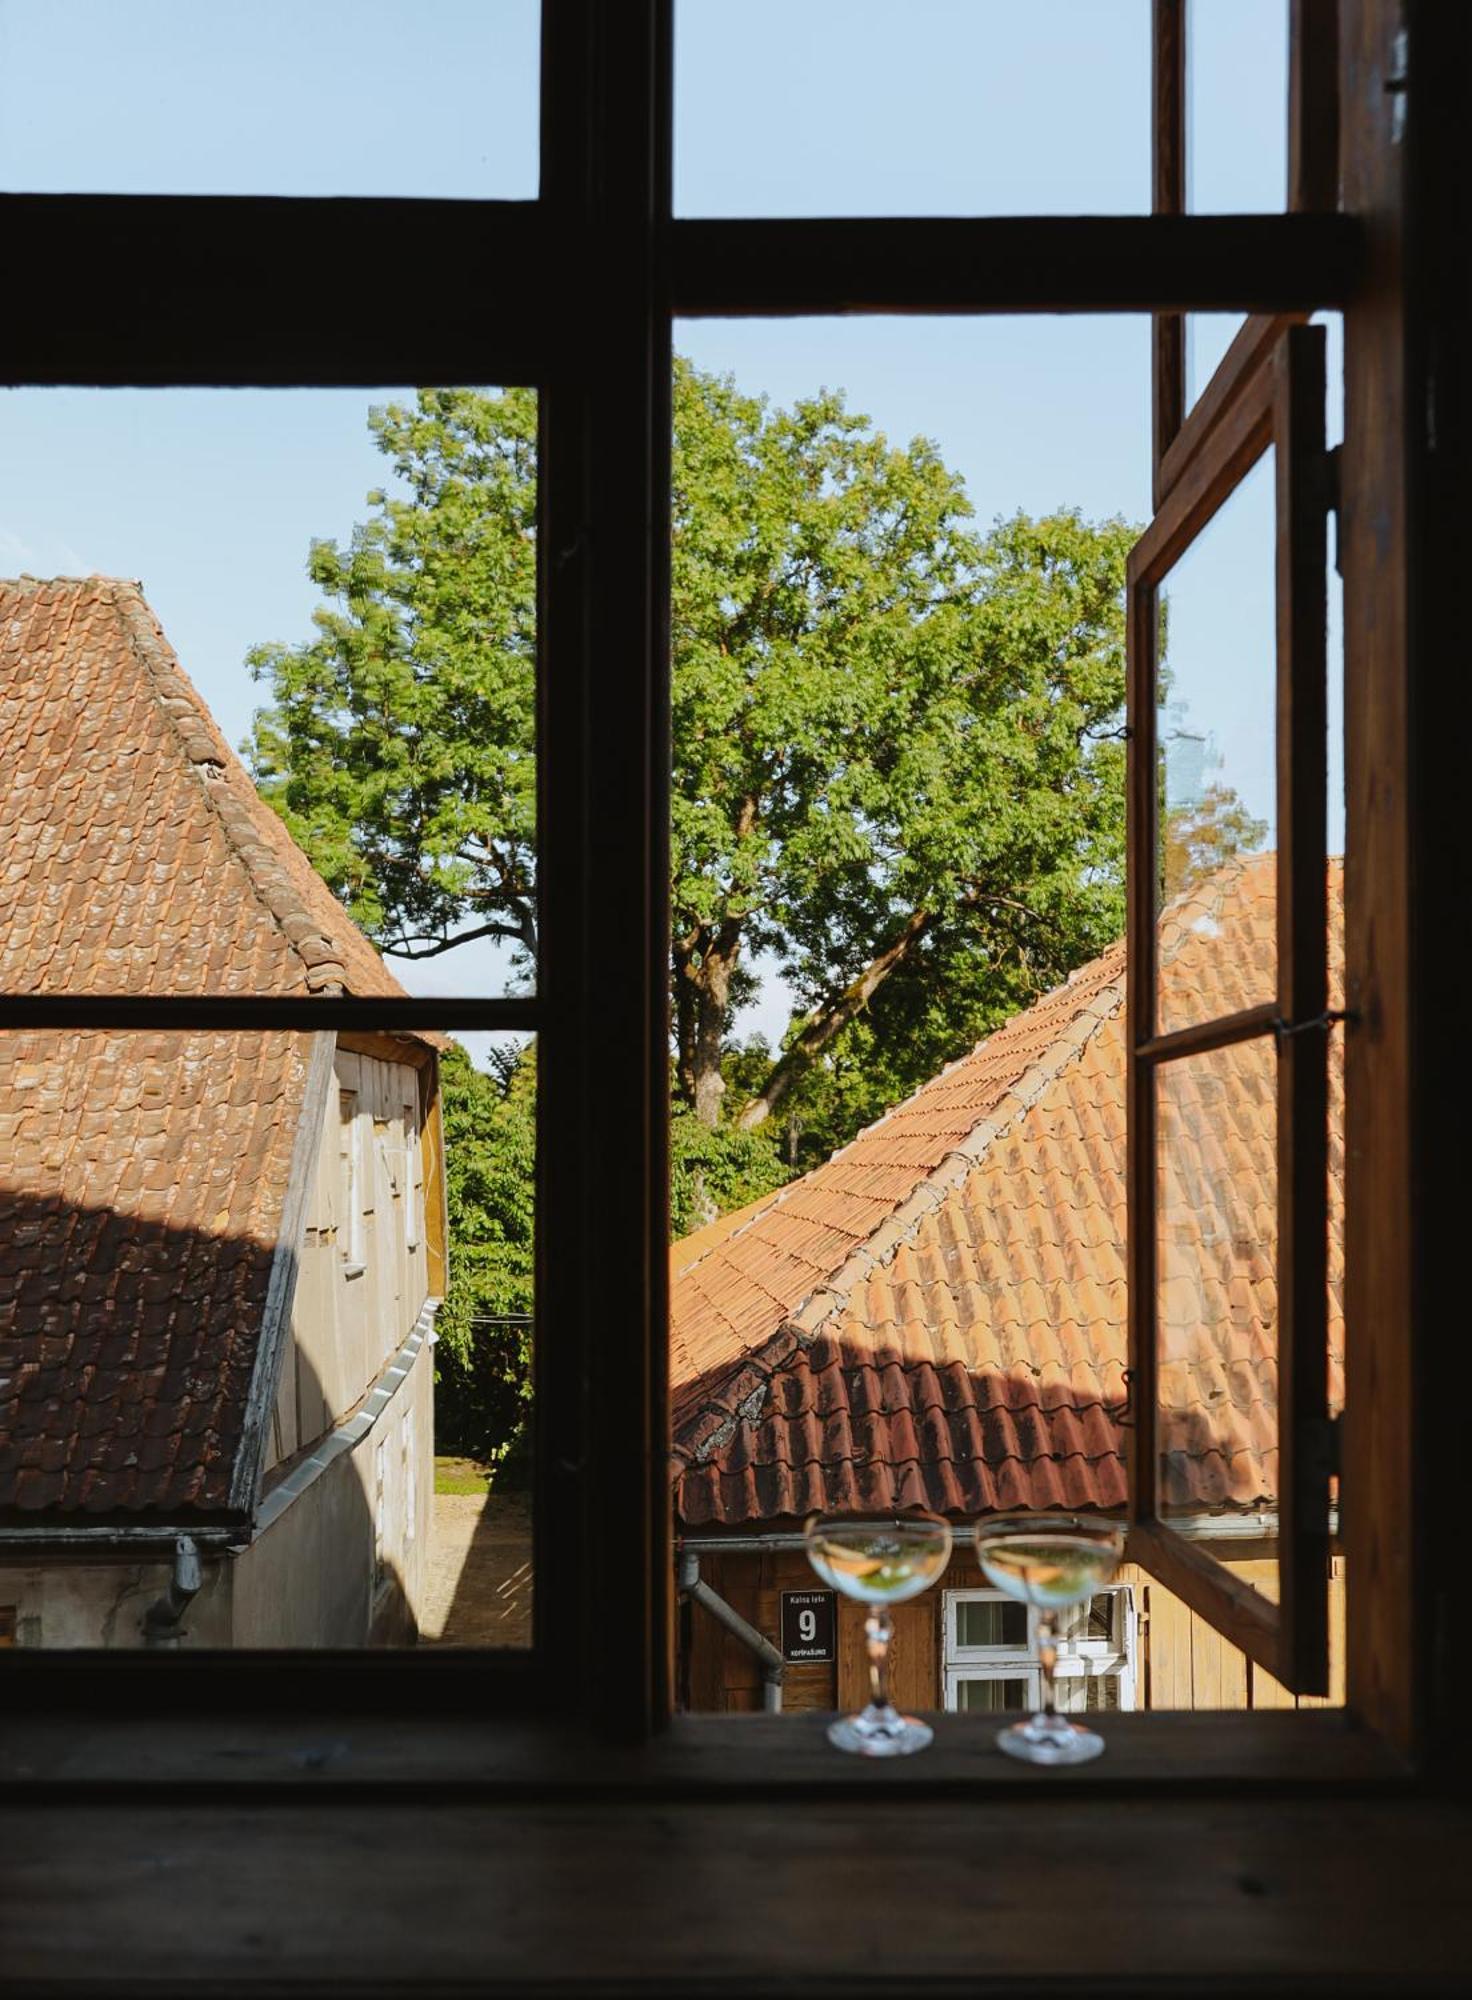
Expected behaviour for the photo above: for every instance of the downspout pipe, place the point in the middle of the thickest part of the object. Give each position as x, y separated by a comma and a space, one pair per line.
694, 1586
161, 1621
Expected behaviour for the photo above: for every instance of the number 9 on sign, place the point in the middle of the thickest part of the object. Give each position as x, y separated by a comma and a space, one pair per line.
809, 1622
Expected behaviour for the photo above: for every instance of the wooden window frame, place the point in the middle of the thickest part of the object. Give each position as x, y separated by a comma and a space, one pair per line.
1313, 188
1277, 406
151, 291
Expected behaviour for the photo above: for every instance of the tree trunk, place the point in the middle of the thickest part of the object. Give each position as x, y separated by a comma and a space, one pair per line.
702, 1003
830, 1021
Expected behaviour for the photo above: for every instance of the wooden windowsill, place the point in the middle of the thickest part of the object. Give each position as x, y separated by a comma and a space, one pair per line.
559, 1879
697, 1757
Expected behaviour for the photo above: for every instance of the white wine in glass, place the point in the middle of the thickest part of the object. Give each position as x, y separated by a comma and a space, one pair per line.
879, 1563
1049, 1562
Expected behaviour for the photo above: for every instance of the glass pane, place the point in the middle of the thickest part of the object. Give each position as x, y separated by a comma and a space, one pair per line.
1217, 1315
1218, 947
993, 1697
298, 756
941, 107
1208, 336
984, 1624
1093, 1621
203, 1226
804, 813
1236, 137
1082, 1694
338, 97
1236, 106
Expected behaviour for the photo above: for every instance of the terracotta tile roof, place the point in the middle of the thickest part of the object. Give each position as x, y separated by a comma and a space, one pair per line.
142, 1175
136, 854
936, 1316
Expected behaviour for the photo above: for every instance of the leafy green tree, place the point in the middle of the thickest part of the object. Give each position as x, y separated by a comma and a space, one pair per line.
483, 1352
897, 748
715, 1169
399, 747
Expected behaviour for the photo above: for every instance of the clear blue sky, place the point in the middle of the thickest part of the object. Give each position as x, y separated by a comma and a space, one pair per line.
802, 107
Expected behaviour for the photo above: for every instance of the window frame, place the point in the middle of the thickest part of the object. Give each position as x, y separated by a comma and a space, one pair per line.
1278, 405
602, 268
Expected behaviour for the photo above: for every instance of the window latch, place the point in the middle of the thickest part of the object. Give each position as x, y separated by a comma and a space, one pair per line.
1317, 1023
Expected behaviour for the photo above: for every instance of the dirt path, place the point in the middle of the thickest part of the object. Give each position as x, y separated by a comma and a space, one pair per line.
479, 1589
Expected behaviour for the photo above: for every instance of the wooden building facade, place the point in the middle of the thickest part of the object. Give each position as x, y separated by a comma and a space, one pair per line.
1158, 1653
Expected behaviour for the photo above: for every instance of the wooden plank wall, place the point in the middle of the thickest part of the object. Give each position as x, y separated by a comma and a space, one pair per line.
1183, 1662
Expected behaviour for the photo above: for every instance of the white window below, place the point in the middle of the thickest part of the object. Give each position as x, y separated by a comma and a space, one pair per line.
990, 1662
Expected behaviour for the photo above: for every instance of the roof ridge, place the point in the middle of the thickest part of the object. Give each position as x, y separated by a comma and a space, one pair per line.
228, 793
903, 1222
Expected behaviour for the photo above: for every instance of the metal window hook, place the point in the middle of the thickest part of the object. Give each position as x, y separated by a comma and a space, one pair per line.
1316, 1022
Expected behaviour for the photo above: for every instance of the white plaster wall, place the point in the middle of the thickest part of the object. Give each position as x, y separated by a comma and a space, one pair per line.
335, 1569
70, 1604
362, 1272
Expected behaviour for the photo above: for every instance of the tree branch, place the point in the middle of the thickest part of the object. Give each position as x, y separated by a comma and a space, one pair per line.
522, 932
829, 1021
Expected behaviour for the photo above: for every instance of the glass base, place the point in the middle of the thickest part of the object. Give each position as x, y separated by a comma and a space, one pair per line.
1049, 1739
880, 1732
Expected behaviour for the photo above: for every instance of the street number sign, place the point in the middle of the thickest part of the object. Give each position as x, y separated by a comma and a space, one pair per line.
809, 1622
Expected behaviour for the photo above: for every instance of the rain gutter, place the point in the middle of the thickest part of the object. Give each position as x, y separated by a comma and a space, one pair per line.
774, 1667
1257, 1526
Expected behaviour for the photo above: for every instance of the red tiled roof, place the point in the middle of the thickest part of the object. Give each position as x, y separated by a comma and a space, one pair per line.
936, 1316
142, 1175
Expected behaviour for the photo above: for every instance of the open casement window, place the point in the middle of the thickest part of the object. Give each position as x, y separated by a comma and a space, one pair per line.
1228, 1204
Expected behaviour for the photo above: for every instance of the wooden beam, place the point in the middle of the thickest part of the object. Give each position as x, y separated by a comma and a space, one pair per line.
1387, 1645
1302, 919
1252, 346
604, 1516
1313, 105
152, 290
1168, 139
1087, 264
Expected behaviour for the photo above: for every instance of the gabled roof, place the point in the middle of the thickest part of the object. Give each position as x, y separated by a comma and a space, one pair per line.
936, 1316
143, 1176
137, 854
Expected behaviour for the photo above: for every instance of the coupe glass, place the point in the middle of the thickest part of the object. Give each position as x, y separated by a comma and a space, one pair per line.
1049, 1562
879, 1563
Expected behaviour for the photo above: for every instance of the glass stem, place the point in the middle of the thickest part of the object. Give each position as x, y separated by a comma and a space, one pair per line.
879, 1630
1048, 1660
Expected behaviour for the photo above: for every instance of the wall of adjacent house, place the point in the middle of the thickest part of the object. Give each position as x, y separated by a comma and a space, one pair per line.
353, 1543
363, 1275
1181, 1661
69, 1604
345, 1563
